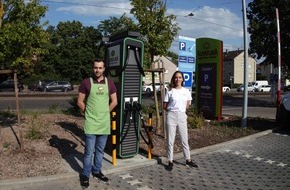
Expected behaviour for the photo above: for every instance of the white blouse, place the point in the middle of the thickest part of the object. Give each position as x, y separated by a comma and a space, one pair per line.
176, 99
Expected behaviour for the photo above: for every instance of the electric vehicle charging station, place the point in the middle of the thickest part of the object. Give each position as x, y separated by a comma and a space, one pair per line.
124, 64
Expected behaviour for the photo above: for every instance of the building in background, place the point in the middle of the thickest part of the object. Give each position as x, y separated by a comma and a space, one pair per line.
169, 68
233, 68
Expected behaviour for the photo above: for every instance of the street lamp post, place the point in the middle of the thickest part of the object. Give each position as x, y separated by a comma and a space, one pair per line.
245, 101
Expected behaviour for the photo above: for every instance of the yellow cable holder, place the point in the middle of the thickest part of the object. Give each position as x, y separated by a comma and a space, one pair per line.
150, 136
114, 140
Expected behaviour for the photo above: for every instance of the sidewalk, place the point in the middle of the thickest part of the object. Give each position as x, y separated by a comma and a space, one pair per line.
70, 180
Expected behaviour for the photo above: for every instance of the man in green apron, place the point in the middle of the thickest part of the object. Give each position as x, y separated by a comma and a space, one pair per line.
97, 98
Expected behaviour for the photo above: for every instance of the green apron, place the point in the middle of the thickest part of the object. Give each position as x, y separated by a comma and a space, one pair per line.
97, 114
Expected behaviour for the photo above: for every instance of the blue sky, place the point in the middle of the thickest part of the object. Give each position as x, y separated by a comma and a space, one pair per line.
219, 19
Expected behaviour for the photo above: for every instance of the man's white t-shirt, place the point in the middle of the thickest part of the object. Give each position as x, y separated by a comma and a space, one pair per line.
177, 99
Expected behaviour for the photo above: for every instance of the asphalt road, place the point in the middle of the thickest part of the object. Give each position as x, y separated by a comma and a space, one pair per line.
259, 105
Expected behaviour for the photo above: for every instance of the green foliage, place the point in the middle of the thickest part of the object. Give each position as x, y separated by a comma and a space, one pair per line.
53, 108
263, 30
34, 131
6, 114
74, 109
157, 28
22, 36
6, 145
253, 123
195, 120
72, 49
114, 25
174, 57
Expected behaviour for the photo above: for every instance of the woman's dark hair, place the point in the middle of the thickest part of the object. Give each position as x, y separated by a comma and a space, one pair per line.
172, 82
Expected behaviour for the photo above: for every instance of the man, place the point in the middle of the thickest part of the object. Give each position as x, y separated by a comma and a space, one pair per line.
97, 98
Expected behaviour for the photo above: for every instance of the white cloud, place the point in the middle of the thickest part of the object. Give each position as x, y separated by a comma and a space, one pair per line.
210, 22
97, 8
218, 23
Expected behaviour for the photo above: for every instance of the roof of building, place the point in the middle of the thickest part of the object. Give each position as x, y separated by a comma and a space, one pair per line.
230, 55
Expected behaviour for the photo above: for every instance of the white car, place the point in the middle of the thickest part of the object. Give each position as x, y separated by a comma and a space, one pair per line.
250, 88
149, 88
264, 88
226, 89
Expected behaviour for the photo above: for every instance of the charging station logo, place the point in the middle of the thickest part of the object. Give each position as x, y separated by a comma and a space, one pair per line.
182, 46
113, 53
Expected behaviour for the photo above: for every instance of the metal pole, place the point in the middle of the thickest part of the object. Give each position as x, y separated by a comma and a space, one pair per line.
279, 60
114, 140
150, 136
245, 104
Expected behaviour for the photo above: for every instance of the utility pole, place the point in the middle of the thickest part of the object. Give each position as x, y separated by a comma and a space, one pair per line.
1, 11
279, 61
245, 102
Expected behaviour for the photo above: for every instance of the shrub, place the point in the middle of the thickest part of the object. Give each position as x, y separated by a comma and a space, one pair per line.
74, 109
34, 131
53, 108
195, 120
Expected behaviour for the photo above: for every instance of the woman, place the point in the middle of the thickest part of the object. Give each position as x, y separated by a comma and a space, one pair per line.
176, 101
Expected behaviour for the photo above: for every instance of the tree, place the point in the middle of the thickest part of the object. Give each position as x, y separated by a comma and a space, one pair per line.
22, 37
72, 49
114, 25
158, 28
263, 30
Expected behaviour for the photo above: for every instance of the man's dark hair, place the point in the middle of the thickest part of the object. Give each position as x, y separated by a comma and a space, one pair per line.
99, 60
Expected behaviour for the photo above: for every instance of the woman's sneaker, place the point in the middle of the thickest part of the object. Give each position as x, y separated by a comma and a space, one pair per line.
85, 183
100, 176
191, 164
169, 167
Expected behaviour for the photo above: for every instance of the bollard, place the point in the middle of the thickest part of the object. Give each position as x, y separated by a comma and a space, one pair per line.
114, 140
150, 136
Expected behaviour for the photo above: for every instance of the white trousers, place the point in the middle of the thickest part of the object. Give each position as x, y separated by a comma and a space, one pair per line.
177, 120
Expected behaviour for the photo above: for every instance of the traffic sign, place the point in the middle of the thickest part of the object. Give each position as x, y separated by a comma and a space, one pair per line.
187, 79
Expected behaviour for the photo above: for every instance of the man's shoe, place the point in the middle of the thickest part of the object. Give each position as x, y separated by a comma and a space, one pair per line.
169, 167
100, 176
191, 163
85, 183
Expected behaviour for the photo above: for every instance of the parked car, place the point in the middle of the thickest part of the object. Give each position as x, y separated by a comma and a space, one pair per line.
8, 85
250, 88
149, 88
259, 83
63, 86
263, 88
283, 115
226, 89
39, 85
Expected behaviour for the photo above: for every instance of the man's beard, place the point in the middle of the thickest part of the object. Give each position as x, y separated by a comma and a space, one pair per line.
97, 76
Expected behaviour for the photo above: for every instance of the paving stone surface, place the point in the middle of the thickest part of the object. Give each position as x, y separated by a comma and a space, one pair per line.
261, 163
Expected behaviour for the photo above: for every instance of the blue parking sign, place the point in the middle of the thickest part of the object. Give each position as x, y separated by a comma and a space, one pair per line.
187, 79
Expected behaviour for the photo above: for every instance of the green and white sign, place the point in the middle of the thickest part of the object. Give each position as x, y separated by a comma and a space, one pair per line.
209, 67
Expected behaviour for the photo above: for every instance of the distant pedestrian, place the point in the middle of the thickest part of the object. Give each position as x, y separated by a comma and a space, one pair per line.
176, 101
97, 98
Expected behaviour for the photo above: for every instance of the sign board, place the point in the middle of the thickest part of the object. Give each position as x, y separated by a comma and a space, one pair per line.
209, 67
186, 54
187, 79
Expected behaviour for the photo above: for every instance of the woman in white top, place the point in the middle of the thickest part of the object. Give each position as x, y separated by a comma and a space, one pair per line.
176, 101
